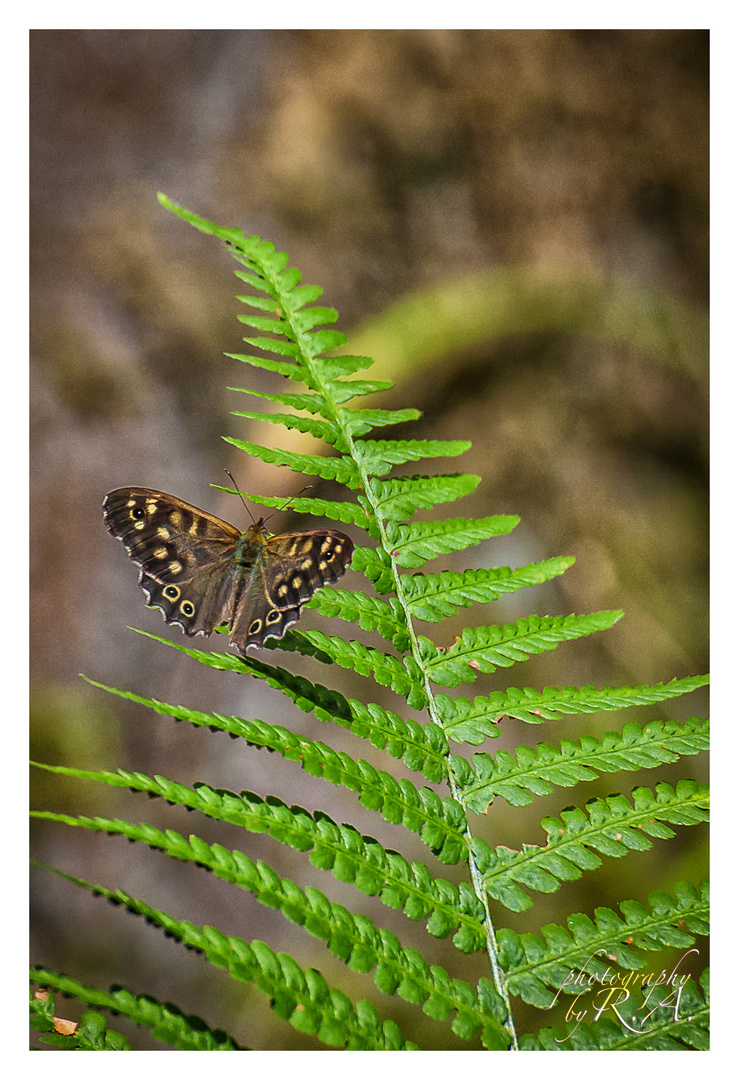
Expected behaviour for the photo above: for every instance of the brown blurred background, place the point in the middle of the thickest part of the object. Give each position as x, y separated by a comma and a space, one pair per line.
515, 225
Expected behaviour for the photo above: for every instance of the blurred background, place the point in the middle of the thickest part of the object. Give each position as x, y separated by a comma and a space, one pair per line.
514, 224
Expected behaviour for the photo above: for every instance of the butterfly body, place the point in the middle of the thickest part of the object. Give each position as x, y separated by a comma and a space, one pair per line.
201, 572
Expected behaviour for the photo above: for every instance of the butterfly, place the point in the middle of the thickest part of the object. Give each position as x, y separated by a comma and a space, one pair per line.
201, 572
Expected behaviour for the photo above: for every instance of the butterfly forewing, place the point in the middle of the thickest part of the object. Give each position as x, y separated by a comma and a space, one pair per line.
200, 572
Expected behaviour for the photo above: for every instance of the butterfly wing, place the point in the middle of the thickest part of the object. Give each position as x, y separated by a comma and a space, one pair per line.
292, 567
185, 555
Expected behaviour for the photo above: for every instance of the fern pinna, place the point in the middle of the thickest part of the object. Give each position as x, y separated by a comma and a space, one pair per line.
462, 889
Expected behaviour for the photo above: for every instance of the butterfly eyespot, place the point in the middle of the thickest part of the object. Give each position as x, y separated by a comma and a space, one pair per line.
273, 616
171, 592
255, 627
138, 512
187, 608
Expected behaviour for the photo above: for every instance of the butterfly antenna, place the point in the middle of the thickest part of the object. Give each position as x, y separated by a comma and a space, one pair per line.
282, 509
230, 476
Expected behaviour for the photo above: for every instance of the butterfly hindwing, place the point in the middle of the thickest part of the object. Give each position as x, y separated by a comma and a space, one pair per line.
200, 572
296, 564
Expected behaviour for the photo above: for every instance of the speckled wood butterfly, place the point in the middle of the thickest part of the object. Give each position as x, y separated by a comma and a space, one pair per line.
201, 572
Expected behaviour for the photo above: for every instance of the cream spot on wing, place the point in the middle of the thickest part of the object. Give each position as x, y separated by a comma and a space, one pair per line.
160, 553
162, 533
174, 567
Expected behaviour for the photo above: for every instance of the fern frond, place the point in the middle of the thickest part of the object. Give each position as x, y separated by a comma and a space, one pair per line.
278, 367
291, 335
434, 597
414, 543
354, 939
439, 821
378, 456
90, 1033
340, 469
344, 391
302, 997
372, 613
610, 827
474, 721
486, 648
164, 1020
397, 498
361, 421
376, 565
404, 677
422, 747
319, 429
535, 965
339, 849
311, 402
538, 769
347, 512
356, 421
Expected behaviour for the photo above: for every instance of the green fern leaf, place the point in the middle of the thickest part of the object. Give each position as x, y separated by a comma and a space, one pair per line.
339, 849
440, 822
434, 597
474, 721
340, 469
279, 367
537, 966
415, 543
422, 747
165, 1021
398, 498
610, 827
372, 613
488, 647
319, 429
538, 770
311, 402
401, 676
361, 421
349, 513
378, 456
